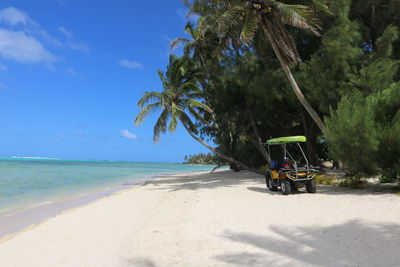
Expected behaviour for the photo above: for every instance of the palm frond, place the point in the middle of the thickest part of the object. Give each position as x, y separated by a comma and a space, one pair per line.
194, 94
145, 111
191, 30
174, 120
282, 39
178, 42
250, 27
224, 44
161, 75
191, 86
197, 116
298, 16
180, 94
185, 120
149, 97
205, 24
192, 103
231, 18
320, 6
161, 125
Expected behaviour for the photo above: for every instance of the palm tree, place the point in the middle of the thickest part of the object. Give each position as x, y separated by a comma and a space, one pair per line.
179, 100
197, 47
246, 19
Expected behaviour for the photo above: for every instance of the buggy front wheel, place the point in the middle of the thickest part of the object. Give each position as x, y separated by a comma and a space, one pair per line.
311, 187
286, 187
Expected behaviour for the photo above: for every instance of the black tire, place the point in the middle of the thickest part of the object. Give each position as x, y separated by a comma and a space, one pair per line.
311, 187
269, 182
286, 187
295, 186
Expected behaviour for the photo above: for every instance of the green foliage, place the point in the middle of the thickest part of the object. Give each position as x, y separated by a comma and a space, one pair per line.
350, 75
387, 177
374, 17
351, 131
205, 159
178, 99
353, 182
325, 179
388, 115
385, 42
364, 132
326, 76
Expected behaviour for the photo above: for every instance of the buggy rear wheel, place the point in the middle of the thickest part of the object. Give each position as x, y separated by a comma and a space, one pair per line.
286, 187
311, 187
269, 182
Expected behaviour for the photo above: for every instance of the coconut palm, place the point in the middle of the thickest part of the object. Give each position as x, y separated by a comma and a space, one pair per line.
244, 20
199, 47
178, 102
196, 46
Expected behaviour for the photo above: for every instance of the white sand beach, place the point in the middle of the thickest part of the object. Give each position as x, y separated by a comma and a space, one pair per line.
220, 219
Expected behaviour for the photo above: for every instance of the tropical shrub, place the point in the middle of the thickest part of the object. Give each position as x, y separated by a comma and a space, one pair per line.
351, 131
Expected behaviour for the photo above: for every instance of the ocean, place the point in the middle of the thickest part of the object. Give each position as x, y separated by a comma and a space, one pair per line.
26, 183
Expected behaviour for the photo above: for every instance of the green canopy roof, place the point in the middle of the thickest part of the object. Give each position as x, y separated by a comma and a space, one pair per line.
285, 140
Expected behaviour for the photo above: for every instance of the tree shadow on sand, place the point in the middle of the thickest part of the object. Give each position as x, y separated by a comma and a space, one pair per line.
256, 183
350, 244
139, 262
206, 181
378, 189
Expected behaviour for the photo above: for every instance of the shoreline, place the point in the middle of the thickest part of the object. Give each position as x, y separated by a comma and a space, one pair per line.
18, 220
219, 219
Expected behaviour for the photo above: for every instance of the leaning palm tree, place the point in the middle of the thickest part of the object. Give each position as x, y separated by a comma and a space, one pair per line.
244, 20
178, 102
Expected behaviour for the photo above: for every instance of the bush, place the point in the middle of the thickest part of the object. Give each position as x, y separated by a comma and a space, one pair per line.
353, 182
325, 179
388, 177
351, 131
388, 115
364, 131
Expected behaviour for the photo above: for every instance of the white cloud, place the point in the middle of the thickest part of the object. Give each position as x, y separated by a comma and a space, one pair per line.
130, 64
78, 46
27, 43
128, 135
65, 32
18, 46
14, 16
73, 72
71, 43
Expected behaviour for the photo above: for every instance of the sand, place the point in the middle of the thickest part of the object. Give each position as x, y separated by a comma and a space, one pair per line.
220, 219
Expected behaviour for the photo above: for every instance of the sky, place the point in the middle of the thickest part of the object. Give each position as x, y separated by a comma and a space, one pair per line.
72, 72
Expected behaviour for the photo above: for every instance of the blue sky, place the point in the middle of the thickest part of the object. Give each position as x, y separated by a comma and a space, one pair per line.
72, 71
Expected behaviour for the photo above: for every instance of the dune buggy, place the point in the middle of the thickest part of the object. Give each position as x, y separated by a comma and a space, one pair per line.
287, 173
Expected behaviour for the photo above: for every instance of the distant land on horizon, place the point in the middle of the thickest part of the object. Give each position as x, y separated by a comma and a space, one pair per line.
84, 160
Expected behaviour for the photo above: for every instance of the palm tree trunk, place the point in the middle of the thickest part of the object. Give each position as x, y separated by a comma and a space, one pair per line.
228, 158
312, 133
258, 142
290, 77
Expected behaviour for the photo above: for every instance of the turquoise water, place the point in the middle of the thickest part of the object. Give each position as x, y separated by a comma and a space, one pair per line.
28, 182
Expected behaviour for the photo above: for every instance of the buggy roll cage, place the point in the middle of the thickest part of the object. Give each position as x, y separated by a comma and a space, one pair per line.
290, 139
